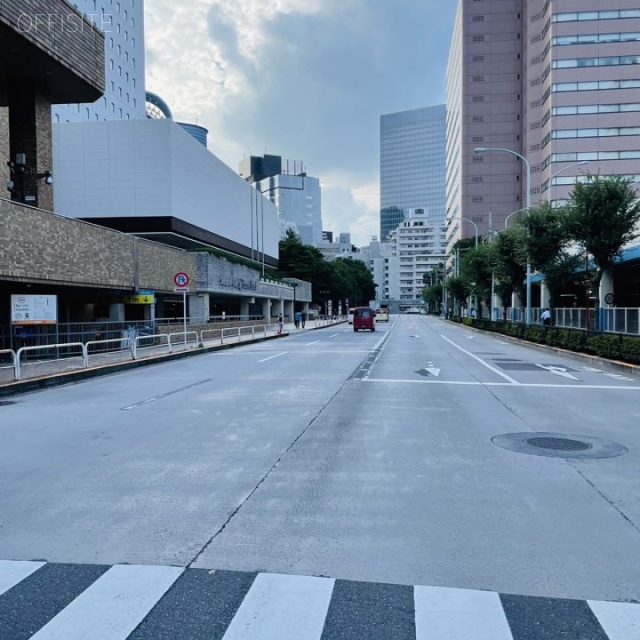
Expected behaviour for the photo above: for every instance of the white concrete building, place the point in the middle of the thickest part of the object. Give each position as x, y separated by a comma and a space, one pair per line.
122, 22
416, 247
152, 169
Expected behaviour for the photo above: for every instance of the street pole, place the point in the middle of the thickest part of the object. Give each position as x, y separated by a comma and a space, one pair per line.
478, 150
184, 312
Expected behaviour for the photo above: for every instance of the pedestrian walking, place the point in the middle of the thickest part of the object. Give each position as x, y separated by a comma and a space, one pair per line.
303, 318
280, 324
546, 317
297, 316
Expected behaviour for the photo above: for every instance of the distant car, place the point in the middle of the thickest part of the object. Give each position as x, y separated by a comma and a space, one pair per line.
364, 318
412, 310
350, 315
382, 315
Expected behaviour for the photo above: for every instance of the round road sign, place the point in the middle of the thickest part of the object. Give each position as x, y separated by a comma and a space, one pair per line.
181, 279
609, 298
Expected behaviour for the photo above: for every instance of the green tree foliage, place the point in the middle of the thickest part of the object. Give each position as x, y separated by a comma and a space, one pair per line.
508, 257
433, 297
458, 289
476, 269
341, 278
602, 216
546, 240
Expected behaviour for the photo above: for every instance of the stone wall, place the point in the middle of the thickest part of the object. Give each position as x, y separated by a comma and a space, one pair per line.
38, 246
4, 151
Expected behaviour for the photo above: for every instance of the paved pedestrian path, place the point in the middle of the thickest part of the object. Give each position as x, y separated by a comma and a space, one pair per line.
134, 602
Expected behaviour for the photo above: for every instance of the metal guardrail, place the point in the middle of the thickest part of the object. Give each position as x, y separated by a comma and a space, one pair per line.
66, 345
165, 342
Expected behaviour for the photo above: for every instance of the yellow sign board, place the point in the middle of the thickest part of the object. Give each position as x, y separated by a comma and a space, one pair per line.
140, 299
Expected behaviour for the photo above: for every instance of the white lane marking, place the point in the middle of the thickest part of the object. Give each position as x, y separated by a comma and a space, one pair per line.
620, 620
14, 571
310, 343
481, 361
334, 335
459, 614
277, 355
113, 606
558, 371
592, 369
506, 384
282, 606
433, 371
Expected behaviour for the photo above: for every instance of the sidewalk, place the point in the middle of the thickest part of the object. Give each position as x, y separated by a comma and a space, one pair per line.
44, 372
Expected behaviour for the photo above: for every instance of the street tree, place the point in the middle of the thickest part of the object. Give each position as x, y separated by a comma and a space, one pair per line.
509, 260
546, 241
602, 216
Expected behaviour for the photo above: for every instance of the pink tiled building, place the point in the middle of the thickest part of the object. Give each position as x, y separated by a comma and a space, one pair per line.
557, 81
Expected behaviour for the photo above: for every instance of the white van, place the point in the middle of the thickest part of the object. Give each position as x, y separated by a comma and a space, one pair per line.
382, 315
350, 315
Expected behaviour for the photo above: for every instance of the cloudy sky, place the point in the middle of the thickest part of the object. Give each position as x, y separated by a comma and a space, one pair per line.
303, 79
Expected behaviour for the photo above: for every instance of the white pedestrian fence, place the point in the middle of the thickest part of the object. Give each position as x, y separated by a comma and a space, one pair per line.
48, 359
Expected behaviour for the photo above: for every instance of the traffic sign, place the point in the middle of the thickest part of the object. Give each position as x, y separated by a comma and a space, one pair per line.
181, 289
181, 279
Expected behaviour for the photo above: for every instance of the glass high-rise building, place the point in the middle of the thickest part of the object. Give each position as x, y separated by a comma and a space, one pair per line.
412, 165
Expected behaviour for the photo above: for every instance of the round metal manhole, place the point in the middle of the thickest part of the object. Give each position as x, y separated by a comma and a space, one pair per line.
4, 403
559, 445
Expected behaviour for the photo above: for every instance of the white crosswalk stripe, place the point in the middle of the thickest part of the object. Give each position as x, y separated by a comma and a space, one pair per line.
280, 607
620, 620
113, 606
14, 571
459, 614
135, 602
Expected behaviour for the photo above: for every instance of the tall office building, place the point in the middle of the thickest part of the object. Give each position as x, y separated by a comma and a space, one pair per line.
484, 105
296, 194
412, 165
555, 81
122, 22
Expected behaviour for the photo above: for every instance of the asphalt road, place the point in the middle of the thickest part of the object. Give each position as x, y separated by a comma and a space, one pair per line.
346, 456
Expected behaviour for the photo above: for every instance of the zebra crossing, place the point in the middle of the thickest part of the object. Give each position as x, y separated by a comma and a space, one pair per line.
45, 601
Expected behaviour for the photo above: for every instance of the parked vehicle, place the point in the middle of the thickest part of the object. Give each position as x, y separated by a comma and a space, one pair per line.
382, 315
350, 315
364, 318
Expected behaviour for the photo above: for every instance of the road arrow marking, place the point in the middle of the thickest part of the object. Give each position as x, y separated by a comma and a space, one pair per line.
433, 371
559, 371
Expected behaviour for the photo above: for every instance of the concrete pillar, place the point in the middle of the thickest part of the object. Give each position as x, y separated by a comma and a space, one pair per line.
30, 134
116, 312
606, 286
516, 303
198, 306
545, 295
266, 310
288, 311
244, 306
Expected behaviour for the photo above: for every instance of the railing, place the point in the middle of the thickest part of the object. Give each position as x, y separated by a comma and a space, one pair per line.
113, 349
620, 320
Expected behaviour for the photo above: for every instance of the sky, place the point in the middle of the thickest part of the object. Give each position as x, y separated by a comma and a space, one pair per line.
303, 79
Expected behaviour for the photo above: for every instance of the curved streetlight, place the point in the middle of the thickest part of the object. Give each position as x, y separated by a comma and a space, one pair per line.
475, 226
575, 164
479, 150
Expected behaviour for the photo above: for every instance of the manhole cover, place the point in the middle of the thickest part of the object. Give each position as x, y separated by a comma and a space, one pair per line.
558, 444
4, 403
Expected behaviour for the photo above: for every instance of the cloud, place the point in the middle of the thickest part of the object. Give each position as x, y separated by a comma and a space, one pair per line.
304, 80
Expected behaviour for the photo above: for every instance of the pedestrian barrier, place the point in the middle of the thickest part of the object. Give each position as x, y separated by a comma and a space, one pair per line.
185, 338
43, 347
160, 342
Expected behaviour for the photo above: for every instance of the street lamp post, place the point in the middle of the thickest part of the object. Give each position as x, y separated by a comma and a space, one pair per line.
475, 226
571, 166
527, 207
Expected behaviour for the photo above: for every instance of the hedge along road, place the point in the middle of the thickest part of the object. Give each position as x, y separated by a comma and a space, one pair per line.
365, 456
